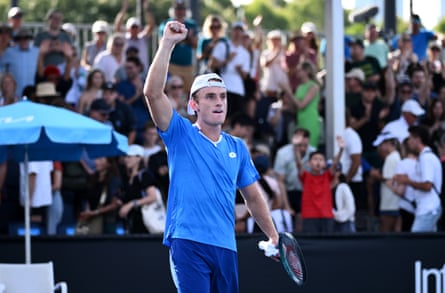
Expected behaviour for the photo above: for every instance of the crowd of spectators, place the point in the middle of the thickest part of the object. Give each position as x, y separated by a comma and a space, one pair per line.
395, 116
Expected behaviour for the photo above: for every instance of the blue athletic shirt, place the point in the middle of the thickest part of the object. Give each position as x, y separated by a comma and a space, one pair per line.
203, 180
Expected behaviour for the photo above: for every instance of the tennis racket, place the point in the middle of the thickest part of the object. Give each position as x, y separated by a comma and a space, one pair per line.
290, 256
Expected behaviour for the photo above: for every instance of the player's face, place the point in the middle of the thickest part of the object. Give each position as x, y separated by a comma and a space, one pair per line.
211, 106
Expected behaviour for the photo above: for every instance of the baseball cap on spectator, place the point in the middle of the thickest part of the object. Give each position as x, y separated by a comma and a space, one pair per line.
109, 86
99, 26
46, 89
101, 106
238, 24
179, 4
133, 21
51, 70
356, 73
135, 150
411, 106
15, 12
416, 19
203, 81
382, 137
274, 34
308, 27
358, 42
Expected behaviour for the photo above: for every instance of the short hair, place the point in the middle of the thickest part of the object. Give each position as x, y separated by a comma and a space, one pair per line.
135, 60
241, 119
316, 152
149, 124
303, 131
420, 131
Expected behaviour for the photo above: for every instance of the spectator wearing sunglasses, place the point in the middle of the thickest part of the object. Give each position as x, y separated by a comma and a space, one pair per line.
20, 60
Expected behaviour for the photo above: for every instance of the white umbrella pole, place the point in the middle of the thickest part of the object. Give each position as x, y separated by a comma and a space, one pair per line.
27, 211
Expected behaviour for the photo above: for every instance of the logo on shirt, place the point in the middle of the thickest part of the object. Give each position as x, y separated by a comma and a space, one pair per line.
232, 155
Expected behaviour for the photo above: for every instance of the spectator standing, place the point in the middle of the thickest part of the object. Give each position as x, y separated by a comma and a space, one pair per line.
5, 38
96, 45
427, 182
344, 204
406, 166
40, 193
351, 162
274, 80
15, 19
181, 61
130, 91
112, 58
374, 46
316, 200
309, 31
387, 145
213, 32
53, 38
307, 98
368, 64
354, 86
420, 37
137, 35
403, 57
285, 168
411, 112
296, 53
236, 66
21, 60
121, 115
55, 210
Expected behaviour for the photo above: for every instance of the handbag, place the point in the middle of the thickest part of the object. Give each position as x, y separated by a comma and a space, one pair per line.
154, 215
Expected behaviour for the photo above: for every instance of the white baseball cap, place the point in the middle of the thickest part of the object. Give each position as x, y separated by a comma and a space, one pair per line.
413, 107
133, 21
202, 81
99, 26
384, 136
135, 150
356, 73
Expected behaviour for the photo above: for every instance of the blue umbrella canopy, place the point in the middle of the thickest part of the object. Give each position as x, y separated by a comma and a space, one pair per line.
36, 132
53, 133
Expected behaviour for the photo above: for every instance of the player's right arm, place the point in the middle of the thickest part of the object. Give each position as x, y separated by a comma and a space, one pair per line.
157, 101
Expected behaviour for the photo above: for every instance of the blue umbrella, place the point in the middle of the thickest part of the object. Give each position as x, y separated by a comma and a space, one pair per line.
36, 132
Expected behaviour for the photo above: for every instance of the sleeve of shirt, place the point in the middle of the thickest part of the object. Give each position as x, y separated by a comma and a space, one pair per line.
248, 173
389, 167
427, 172
354, 143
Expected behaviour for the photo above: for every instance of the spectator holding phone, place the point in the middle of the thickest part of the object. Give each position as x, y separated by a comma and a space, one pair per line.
53, 38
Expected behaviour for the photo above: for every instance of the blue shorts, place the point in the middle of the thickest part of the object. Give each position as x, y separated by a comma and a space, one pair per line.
198, 267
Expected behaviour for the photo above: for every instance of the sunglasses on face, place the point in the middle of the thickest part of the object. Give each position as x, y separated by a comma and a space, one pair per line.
119, 44
176, 87
215, 27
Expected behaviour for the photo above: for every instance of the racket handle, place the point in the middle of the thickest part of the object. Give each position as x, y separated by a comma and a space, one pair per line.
269, 249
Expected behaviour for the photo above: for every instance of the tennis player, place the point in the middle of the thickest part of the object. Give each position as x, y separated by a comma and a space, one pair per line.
206, 166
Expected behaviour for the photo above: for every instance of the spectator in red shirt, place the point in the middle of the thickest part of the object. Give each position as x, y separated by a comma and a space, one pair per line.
317, 199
